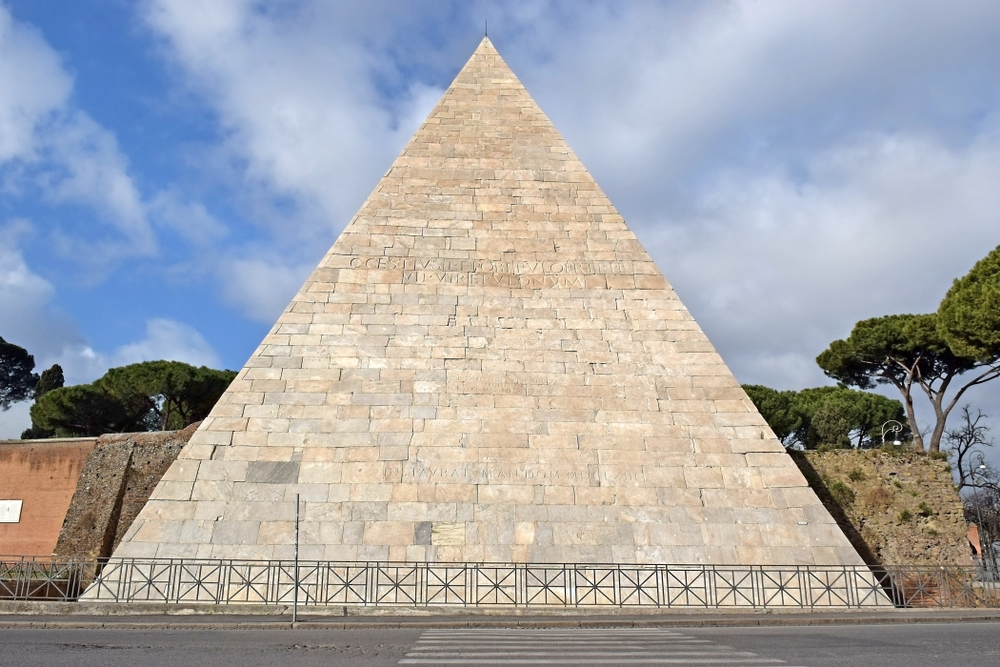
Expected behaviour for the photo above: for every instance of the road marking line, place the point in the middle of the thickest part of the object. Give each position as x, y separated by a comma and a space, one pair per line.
571, 646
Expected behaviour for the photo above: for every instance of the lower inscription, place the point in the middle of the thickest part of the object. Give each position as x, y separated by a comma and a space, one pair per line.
485, 474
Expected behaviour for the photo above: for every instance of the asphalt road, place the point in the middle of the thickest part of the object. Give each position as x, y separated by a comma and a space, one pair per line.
937, 645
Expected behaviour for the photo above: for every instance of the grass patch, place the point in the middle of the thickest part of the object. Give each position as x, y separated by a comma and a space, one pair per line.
880, 498
843, 494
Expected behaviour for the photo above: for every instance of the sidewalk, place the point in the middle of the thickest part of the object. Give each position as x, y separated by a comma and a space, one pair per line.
237, 617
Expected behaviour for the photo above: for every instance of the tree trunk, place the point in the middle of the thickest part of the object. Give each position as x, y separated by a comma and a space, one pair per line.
911, 416
941, 417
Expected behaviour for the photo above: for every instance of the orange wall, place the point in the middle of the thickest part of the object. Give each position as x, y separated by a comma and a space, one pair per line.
43, 474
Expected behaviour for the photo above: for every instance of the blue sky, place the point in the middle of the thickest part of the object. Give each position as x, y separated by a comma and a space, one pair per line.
171, 170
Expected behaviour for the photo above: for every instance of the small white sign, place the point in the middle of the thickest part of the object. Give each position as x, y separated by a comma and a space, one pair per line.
10, 511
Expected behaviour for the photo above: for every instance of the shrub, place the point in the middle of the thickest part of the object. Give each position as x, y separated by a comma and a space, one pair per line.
843, 494
856, 475
880, 498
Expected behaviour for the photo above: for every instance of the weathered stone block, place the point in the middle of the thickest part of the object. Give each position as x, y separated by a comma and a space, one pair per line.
235, 532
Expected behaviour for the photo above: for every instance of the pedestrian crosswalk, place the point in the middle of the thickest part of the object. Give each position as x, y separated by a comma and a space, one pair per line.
574, 646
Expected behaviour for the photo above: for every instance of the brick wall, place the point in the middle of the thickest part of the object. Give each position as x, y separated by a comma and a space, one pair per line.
43, 474
115, 484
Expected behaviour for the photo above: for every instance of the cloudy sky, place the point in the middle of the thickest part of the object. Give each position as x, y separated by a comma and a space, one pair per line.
171, 170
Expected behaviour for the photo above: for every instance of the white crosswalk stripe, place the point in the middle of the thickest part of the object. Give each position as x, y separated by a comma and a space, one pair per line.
574, 646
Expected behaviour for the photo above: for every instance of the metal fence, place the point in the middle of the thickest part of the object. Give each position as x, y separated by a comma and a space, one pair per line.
32, 579
493, 585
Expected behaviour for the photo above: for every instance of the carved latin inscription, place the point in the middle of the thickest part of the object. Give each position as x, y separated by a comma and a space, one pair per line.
484, 473
496, 273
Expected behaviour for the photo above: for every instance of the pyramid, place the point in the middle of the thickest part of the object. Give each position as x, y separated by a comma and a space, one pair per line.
487, 366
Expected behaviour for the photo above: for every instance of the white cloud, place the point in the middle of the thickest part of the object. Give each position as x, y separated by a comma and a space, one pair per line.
14, 421
24, 296
32, 85
25, 300
261, 287
297, 99
189, 219
31, 321
653, 95
775, 269
167, 339
86, 166
295, 94
46, 142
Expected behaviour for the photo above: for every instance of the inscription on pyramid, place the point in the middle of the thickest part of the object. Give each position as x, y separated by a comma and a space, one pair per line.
487, 366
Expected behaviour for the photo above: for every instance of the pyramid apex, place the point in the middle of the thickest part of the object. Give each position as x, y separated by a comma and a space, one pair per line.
486, 45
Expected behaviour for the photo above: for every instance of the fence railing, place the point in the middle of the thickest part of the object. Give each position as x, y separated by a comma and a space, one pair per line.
33, 579
573, 585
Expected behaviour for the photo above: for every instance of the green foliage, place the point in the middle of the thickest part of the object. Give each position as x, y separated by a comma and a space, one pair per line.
929, 351
969, 314
176, 393
51, 378
827, 417
925, 510
856, 475
35, 432
891, 350
842, 493
830, 425
149, 396
88, 409
778, 409
16, 378
904, 516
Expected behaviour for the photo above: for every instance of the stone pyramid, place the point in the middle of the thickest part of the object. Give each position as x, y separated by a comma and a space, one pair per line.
487, 367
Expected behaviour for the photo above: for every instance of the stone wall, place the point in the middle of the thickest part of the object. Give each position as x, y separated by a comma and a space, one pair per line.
43, 475
115, 484
896, 507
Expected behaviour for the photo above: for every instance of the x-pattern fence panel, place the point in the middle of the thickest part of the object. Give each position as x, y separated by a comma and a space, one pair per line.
319, 583
30, 579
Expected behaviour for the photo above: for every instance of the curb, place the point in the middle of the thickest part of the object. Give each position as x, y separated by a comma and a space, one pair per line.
283, 622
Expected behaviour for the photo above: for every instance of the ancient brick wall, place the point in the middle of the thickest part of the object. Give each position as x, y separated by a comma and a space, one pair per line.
115, 484
43, 475
896, 507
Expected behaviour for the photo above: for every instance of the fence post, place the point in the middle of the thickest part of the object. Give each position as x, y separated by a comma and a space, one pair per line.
295, 593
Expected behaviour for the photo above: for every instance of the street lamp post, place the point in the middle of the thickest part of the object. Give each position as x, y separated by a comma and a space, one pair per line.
980, 529
896, 428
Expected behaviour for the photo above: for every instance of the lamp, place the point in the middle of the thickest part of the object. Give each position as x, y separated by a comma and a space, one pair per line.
896, 428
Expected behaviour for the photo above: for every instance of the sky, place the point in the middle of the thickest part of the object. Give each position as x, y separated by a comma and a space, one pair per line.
172, 170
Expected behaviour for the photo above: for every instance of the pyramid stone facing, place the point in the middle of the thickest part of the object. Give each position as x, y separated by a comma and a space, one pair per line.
487, 366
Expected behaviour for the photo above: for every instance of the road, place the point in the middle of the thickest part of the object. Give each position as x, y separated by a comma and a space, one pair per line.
921, 645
